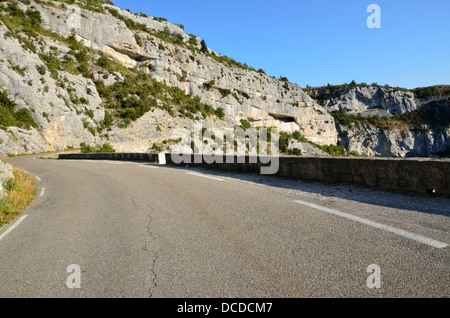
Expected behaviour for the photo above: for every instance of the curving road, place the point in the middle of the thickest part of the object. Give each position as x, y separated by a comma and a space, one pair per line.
139, 230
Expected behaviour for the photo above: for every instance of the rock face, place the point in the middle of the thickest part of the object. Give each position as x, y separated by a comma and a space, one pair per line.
360, 99
242, 92
307, 149
69, 107
6, 173
398, 139
396, 142
60, 123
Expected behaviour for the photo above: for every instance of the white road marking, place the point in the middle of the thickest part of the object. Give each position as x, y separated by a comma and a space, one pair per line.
42, 192
400, 232
38, 179
78, 160
149, 166
12, 227
203, 176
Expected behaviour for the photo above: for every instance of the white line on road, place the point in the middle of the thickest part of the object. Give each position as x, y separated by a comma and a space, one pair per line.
203, 176
149, 166
38, 179
42, 192
406, 234
12, 227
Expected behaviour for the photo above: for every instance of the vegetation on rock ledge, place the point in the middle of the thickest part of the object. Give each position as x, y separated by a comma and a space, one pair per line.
21, 118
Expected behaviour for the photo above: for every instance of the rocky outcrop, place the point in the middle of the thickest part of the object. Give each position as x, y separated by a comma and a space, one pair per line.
366, 98
6, 173
262, 99
64, 122
399, 137
306, 149
396, 142
60, 121
69, 109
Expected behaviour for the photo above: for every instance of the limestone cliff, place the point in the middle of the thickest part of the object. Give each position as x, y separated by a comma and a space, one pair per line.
365, 98
400, 142
44, 72
384, 121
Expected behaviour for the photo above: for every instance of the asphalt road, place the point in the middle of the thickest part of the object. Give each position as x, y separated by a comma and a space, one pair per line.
136, 230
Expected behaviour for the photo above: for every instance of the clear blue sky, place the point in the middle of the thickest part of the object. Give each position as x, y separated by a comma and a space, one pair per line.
317, 42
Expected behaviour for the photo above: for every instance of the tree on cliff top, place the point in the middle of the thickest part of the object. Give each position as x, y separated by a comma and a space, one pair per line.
204, 47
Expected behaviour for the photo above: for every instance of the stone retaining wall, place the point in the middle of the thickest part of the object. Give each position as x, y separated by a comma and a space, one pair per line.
418, 176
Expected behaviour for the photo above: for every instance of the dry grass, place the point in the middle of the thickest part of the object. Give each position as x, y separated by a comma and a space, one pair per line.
21, 193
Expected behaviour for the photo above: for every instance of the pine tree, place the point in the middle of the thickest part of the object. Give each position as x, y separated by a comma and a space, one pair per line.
204, 47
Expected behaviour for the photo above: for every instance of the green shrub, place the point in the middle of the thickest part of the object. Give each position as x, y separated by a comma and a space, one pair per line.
108, 120
220, 113
295, 152
41, 69
138, 39
244, 94
9, 117
82, 56
104, 61
157, 147
334, 150
284, 142
192, 40
105, 148
224, 92
245, 124
6, 102
24, 119
8, 185
299, 137
426, 92
6, 118
86, 148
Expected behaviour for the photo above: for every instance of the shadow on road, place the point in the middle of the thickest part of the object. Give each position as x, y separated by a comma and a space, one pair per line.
425, 204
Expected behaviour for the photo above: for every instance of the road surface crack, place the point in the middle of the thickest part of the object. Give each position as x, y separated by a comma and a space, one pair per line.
154, 257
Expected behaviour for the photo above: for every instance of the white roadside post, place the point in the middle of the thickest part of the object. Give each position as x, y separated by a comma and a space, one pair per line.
162, 158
